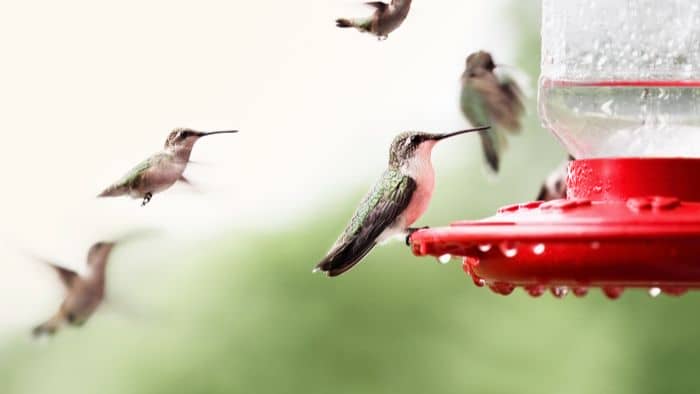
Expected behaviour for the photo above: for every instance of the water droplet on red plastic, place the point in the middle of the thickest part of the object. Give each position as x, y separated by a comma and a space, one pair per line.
559, 292
613, 292
509, 249
674, 291
535, 290
502, 288
445, 258
538, 249
580, 291
654, 292
468, 267
484, 248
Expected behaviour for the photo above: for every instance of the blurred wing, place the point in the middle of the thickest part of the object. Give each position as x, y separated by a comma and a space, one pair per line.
501, 99
68, 277
378, 210
380, 6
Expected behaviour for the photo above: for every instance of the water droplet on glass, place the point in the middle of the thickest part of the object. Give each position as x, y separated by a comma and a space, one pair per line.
509, 249
595, 245
538, 249
484, 247
654, 292
445, 258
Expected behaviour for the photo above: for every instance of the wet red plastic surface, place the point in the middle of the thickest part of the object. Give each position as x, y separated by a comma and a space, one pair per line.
649, 240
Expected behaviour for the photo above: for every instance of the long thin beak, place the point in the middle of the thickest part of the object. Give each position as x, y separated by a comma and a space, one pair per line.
439, 137
218, 132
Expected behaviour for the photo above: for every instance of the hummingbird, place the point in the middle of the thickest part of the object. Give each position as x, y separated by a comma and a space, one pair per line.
554, 187
393, 204
386, 18
160, 171
84, 294
490, 99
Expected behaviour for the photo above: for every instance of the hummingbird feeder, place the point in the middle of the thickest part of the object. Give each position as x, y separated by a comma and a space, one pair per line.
620, 90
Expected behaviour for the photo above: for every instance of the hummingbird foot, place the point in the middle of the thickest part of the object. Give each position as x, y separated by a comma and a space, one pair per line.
146, 199
412, 230
382, 38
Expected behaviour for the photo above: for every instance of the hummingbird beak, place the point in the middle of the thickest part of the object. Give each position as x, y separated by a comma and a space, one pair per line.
439, 137
217, 132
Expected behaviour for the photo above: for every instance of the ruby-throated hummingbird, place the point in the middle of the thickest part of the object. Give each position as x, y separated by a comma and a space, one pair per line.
554, 187
490, 99
386, 18
160, 171
395, 202
84, 293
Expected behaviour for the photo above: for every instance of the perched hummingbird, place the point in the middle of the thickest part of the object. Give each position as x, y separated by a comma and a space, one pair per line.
554, 187
83, 293
386, 18
395, 202
488, 99
160, 171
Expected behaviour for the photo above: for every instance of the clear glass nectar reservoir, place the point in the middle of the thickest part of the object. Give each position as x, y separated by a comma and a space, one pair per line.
621, 78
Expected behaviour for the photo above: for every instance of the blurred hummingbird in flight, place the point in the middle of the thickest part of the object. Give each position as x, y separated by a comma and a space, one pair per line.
490, 99
160, 171
397, 200
554, 187
84, 294
386, 18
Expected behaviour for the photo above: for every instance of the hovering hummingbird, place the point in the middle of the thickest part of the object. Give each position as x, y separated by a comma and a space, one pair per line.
162, 170
395, 202
386, 18
84, 294
554, 187
488, 99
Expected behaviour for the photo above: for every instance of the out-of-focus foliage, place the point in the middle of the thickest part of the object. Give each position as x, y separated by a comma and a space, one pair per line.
250, 317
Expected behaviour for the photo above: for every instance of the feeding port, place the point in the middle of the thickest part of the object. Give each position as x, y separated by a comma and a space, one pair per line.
619, 89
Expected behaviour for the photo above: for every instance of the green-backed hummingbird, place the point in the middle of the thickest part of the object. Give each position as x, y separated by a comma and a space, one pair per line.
490, 99
395, 202
84, 293
160, 171
385, 19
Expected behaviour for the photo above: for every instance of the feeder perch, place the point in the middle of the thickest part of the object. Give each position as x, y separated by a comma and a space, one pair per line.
619, 90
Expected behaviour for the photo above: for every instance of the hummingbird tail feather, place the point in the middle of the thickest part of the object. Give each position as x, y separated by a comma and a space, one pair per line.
48, 328
343, 258
343, 23
491, 151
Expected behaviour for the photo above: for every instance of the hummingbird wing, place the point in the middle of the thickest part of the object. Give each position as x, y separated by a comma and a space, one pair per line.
68, 277
378, 210
132, 178
380, 6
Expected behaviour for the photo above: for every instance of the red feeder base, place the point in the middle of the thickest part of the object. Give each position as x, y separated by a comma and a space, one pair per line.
625, 223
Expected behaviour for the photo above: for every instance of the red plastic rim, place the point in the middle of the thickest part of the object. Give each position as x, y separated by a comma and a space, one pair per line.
649, 240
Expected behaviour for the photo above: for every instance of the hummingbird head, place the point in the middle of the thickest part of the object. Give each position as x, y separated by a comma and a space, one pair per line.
98, 253
417, 145
185, 138
479, 60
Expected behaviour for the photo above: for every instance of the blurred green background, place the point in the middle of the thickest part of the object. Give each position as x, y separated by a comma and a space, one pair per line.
250, 317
